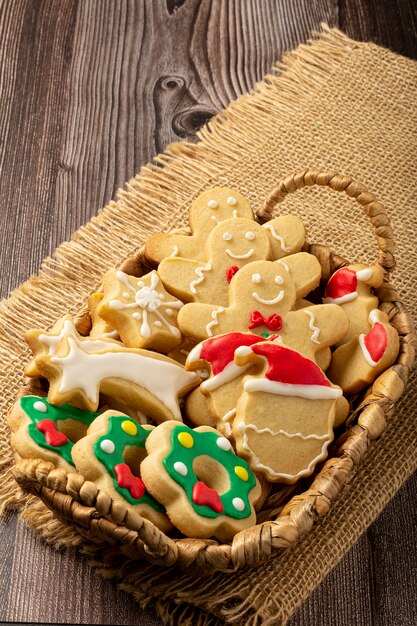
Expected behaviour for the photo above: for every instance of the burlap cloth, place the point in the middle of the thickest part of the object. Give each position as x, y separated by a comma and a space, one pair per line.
332, 103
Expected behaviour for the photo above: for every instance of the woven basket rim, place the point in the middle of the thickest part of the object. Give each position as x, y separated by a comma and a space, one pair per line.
81, 504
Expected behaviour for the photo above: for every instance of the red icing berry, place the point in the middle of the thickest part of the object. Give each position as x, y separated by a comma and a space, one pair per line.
376, 341
273, 322
52, 435
343, 282
126, 479
219, 351
230, 272
288, 366
203, 495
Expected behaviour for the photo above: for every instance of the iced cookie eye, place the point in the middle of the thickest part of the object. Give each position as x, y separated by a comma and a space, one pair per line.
250, 235
212, 204
279, 280
231, 200
256, 278
227, 236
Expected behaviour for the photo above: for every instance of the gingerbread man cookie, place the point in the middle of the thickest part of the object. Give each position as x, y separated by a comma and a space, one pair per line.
110, 456
231, 244
78, 368
358, 362
141, 310
350, 288
210, 208
43, 431
206, 489
285, 415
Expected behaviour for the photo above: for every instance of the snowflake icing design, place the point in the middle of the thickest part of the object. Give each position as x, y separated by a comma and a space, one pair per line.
150, 301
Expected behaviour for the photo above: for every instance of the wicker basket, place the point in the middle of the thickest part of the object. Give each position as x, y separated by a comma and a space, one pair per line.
289, 511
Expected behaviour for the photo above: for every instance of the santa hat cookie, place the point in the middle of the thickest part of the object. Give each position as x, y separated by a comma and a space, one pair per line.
358, 362
285, 415
342, 286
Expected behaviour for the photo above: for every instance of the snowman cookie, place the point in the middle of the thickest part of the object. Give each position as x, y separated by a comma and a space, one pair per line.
351, 288
141, 310
206, 489
231, 244
110, 456
285, 415
358, 362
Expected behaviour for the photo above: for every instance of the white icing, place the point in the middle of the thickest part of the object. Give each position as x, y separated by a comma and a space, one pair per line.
275, 300
231, 200
228, 416
69, 330
234, 213
243, 350
230, 372
141, 417
287, 434
85, 371
136, 315
365, 351
107, 446
40, 406
111, 334
346, 298
256, 278
199, 271
212, 204
125, 294
174, 252
313, 392
202, 373
247, 254
373, 316
214, 218
275, 235
250, 236
278, 280
169, 311
284, 265
215, 321
315, 329
194, 354
157, 323
180, 468
227, 236
364, 274
238, 504
223, 443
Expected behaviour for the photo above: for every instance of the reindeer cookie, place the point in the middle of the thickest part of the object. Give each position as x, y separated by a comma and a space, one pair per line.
211, 207
79, 368
350, 288
231, 244
285, 415
141, 310
358, 362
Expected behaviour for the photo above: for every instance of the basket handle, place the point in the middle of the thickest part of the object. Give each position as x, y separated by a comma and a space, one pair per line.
374, 209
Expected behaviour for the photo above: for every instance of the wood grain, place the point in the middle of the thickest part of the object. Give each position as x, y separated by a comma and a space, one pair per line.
89, 92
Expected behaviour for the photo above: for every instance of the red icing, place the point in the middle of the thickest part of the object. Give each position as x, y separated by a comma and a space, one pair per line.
376, 341
273, 322
230, 272
288, 366
343, 282
203, 495
219, 351
52, 435
126, 479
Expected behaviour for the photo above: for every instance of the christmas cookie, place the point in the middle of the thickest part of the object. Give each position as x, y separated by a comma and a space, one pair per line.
358, 362
143, 380
141, 310
99, 328
197, 410
350, 288
285, 415
43, 431
110, 456
206, 489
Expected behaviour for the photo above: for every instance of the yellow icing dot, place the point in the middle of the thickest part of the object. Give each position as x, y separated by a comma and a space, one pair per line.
241, 472
129, 427
186, 440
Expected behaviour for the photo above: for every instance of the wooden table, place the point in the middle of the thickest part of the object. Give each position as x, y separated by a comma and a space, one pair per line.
89, 91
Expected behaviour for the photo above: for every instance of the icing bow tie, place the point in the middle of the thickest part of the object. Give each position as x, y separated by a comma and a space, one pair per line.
273, 322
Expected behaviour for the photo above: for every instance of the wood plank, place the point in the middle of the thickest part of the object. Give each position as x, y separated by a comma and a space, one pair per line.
89, 92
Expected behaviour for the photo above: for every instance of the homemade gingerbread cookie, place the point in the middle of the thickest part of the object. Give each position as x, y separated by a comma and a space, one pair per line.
206, 489
110, 456
144, 380
211, 207
43, 431
231, 244
358, 362
285, 415
141, 310
351, 288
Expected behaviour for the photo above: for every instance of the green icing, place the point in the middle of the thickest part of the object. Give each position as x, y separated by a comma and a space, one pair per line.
56, 414
121, 439
205, 443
